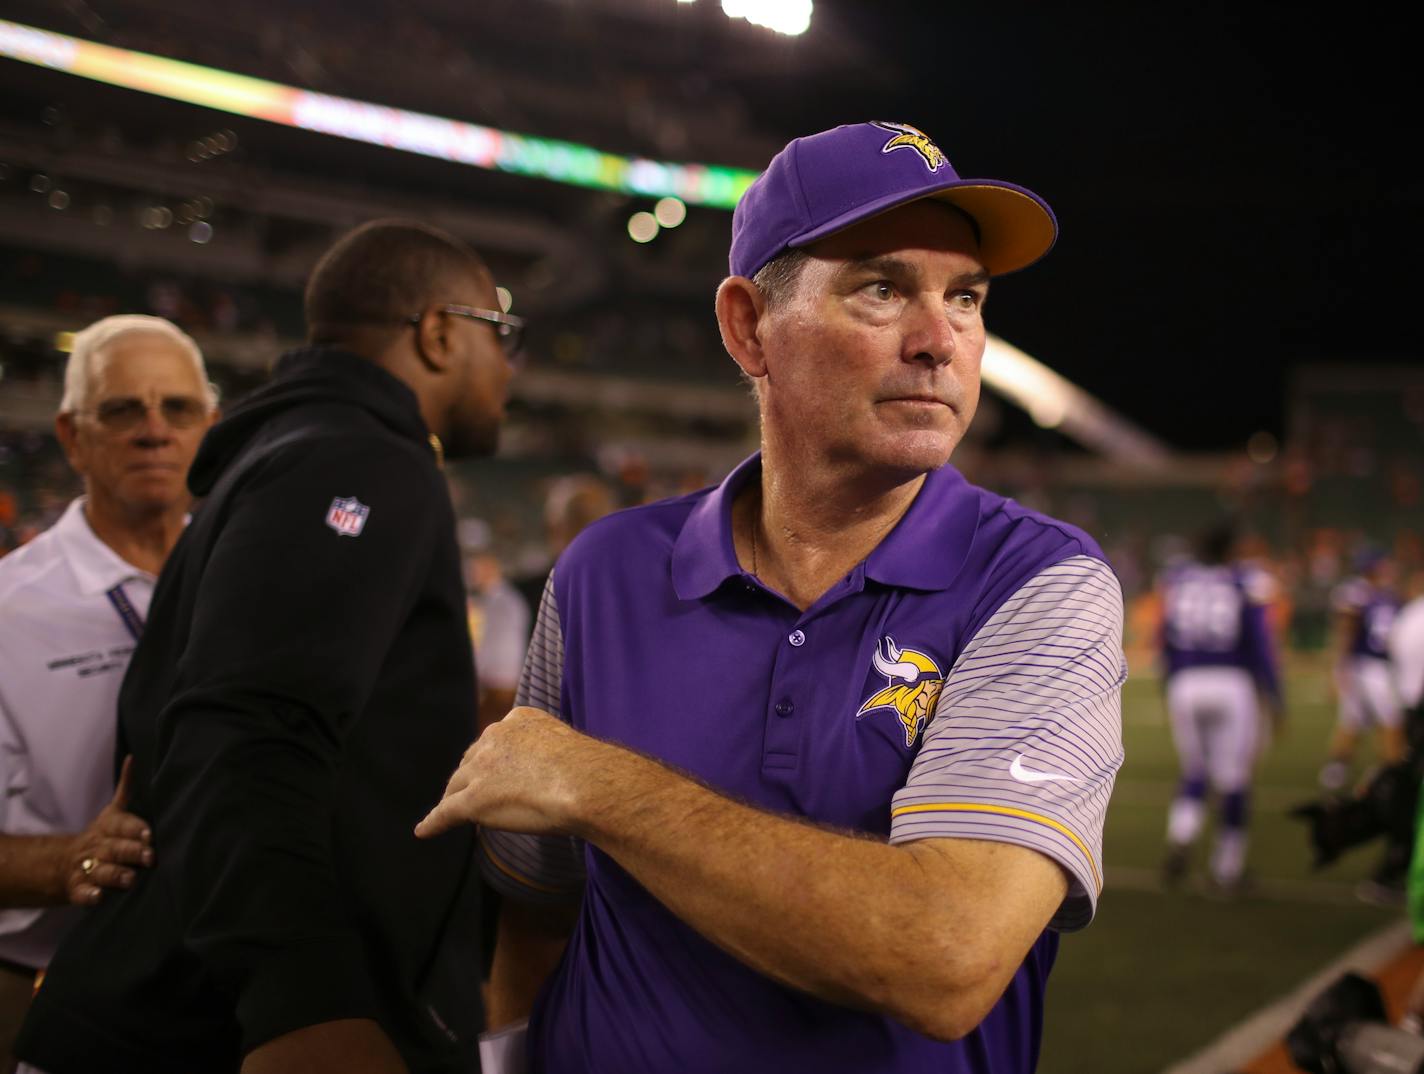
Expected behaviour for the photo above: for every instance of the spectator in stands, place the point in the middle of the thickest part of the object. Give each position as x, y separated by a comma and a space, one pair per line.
304, 685
136, 404
571, 503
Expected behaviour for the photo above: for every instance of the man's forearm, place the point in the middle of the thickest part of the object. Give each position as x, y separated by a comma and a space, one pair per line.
32, 869
930, 932
918, 931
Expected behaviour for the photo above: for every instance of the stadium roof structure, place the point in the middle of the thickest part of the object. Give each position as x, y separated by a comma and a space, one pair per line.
1050, 399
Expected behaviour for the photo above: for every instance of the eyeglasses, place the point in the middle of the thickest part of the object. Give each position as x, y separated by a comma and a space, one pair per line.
126, 413
507, 327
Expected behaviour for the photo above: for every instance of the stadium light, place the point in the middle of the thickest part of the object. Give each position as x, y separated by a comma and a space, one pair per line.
361, 121
791, 17
1262, 448
670, 211
1054, 402
642, 227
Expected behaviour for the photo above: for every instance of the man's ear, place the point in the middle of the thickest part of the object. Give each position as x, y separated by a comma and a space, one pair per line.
740, 309
432, 338
67, 433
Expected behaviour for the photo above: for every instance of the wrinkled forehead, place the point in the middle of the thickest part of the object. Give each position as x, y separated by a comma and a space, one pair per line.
143, 364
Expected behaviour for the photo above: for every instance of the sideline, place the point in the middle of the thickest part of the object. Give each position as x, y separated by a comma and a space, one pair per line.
1246, 1041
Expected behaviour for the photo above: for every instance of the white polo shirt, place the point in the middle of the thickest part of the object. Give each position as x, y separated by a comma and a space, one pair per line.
64, 647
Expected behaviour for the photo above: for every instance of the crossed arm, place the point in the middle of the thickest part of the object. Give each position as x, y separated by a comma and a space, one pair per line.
928, 932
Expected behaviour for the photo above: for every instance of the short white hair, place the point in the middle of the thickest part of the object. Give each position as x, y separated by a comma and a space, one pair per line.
91, 342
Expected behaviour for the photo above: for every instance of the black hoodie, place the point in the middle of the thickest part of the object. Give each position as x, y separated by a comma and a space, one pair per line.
302, 691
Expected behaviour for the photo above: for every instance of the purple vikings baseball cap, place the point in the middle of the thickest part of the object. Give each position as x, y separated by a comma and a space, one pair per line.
824, 183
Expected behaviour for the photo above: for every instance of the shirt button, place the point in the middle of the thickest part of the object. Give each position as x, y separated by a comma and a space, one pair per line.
797, 638
784, 707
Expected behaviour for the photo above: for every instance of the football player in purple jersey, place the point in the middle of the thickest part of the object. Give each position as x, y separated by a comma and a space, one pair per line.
1366, 606
1219, 662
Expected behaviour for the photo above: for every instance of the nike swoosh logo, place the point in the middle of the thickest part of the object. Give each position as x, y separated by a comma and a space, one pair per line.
1028, 775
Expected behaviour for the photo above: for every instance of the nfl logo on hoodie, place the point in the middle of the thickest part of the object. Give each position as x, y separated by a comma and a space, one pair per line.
347, 516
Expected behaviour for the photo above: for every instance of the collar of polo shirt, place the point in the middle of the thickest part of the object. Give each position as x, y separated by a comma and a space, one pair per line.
925, 550
97, 567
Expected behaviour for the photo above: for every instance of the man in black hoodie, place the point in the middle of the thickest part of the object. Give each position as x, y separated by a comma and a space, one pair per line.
301, 692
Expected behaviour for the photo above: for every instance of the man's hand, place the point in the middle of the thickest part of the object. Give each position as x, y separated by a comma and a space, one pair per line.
522, 775
100, 856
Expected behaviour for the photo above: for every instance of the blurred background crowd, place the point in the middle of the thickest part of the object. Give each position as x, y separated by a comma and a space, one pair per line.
116, 201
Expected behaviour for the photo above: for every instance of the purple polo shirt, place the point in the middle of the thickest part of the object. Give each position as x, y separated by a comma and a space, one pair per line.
978, 640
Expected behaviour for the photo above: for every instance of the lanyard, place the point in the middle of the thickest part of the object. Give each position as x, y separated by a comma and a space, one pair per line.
127, 612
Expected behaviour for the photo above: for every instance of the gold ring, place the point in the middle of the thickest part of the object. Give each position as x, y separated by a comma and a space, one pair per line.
88, 865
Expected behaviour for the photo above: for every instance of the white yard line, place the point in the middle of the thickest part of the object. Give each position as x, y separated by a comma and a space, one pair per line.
1248, 1040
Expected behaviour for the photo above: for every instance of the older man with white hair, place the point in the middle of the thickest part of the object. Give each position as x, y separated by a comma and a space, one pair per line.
136, 403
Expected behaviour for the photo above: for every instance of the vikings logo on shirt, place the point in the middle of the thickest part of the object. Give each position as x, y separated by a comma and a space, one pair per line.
908, 137
914, 682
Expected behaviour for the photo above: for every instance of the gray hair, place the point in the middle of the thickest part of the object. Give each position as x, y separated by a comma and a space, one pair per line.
777, 279
91, 342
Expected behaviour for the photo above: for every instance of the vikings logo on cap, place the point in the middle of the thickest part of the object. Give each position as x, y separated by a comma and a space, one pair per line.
908, 137
914, 682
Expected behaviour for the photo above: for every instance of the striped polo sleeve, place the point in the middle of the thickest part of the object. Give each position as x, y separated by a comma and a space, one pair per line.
535, 868
1026, 739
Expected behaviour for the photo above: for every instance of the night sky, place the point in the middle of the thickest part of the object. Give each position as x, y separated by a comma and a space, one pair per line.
1237, 191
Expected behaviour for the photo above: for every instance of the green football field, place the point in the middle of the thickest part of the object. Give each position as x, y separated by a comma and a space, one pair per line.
1159, 975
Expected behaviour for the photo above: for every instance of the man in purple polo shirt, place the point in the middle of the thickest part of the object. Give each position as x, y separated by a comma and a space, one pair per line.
821, 754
